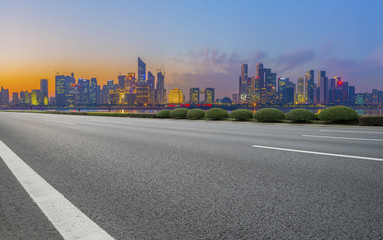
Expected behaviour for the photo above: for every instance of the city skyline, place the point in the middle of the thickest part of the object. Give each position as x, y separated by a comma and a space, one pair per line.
97, 41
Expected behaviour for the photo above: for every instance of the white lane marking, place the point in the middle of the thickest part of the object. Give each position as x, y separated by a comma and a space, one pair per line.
351, 131
58, 121
346, 138
65, 217
318, 153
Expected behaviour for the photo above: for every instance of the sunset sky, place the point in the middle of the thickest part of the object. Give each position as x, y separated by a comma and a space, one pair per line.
201, 43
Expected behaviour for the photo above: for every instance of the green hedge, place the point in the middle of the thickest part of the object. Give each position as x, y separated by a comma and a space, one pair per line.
338, 114
300, 115
269, 115
179, 113
195, 114
241, 114
369, 120
216, 114
108, 114
142, 115
163, 114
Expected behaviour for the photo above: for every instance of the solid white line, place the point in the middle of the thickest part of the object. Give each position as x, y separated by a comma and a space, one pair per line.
346, 138
351, 131
65, 217
58, 121
318, 153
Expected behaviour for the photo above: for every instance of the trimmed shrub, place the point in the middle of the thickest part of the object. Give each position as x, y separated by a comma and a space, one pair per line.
179, 113
216, 114
163, 114
300, 115
142, 115
241, 114
195, 114
269, 115
107, 114
316, 116
338, 114
370, 120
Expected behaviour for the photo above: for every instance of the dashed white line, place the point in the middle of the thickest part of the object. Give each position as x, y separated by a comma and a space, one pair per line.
58, 121
70, 222
347, 131
318, 153
345, 138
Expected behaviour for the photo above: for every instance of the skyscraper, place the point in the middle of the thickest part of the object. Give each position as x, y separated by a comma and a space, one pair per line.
121, 81
309, 87
243, 79
160, 88
151, 86
93, 91
300, 91
141, 72
44, 88
209, 95
282, 82
194, 96
323, 88
60, 90
84, 91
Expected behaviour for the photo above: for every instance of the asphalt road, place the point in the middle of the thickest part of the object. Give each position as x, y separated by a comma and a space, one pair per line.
180, 179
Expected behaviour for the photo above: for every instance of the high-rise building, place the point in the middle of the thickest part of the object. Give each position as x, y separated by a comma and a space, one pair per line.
62, 83
44, 88
243, 81
300, 91
142, 95
141, 72
309, 87
351, 95
194, 96
121, 81
84, 92
282, 82
235, 98
161, 88
209, 95
73, 95
15, 98
22, 98
131, 83
323, 88
4, 96
151, 85
35, 97
93, 91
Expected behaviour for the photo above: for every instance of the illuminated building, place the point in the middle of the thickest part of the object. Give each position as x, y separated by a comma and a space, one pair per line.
72, 96
282, 82
175, 96
15, 98
300, 91
114, 98
62, 83
351, 95
141, 72
209, 95
360, 99
22, 98
84, 92
44, 88
234, 97
161, 92
35, 97
323, 88
27, 100
288, 93
194, 96
151, 84
4, 96
93, 91
142, 95
121, 81
131, 82
243, 79
309, 87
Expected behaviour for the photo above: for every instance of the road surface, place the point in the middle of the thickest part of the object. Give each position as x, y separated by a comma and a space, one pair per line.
130, 178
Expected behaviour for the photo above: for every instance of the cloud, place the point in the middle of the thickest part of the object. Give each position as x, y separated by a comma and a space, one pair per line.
294, 59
